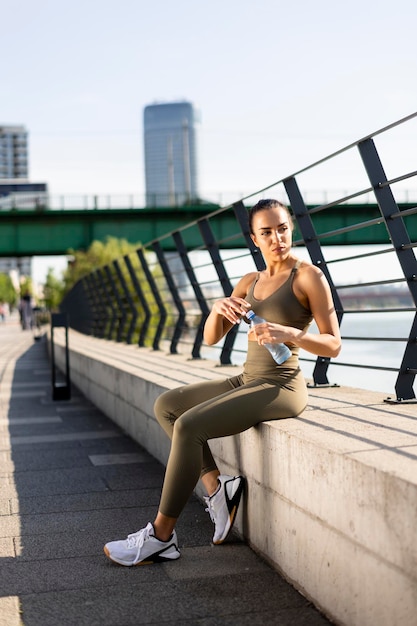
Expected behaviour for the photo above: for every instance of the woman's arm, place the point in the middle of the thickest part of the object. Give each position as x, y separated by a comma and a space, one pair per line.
227, 311
327, 343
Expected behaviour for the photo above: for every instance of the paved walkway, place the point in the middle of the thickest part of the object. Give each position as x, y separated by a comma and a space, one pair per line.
70, 480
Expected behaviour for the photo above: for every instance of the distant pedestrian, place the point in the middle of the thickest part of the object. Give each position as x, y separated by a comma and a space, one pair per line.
26, 312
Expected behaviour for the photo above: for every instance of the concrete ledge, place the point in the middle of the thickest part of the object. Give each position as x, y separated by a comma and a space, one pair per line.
332, 495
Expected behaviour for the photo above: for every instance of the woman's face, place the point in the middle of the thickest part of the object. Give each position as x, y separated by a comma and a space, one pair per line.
272, 232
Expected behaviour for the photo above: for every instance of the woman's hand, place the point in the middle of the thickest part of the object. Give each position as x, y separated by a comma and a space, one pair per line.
226, 312
268, 332
232, 308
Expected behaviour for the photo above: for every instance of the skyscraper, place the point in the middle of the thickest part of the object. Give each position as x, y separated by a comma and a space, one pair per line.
170, 154
13, 152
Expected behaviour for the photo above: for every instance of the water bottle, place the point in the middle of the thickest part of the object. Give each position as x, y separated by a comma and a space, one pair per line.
279, 351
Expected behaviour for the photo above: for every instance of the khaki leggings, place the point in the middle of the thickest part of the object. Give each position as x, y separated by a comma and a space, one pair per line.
193, 414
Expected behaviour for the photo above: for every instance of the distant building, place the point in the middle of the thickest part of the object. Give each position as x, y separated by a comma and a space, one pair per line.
13, 152
22, 266
16, 191
170, 140
22, 194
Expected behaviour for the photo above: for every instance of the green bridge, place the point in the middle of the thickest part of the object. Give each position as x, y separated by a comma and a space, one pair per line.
54, 232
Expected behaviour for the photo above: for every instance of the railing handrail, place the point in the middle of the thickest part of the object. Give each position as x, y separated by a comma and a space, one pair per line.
135, 202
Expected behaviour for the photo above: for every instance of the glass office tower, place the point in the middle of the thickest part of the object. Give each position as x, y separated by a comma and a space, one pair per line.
170, 154
13, 152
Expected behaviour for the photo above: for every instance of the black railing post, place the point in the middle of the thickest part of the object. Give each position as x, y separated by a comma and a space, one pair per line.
95, 282
157, 297
90, 289
180, 323
110, 308
241, 214
139, 291
130, 302
403, 248
213, 250
311, 241
60, 390
120, 309
80, 307
91, 305
182, 251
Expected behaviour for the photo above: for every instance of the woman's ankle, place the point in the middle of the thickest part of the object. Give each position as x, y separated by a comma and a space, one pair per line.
211, 482
163, 527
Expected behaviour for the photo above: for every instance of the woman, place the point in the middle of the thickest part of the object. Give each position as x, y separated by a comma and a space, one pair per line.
289, 293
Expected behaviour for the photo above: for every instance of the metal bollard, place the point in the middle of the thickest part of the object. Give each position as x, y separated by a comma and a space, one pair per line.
61, 390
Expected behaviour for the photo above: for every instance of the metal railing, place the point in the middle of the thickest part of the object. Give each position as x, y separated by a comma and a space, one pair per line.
153, 297
43, 201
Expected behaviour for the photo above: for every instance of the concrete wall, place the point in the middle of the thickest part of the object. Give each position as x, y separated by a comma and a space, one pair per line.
332, 495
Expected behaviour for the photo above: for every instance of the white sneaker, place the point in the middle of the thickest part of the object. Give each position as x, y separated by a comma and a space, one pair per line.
223, 505
142, 548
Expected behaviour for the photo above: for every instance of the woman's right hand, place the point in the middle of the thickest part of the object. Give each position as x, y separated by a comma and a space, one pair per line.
232, 308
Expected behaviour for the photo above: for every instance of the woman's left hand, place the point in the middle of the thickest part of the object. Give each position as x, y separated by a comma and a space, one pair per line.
269, 333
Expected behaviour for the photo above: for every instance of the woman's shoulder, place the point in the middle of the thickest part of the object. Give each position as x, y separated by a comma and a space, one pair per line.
307, 266
248, 279
245, 282
309, 274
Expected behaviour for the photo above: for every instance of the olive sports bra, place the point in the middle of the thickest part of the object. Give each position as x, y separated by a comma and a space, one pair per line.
282, 306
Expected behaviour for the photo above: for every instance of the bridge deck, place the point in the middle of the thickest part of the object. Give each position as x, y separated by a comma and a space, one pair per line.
54, 232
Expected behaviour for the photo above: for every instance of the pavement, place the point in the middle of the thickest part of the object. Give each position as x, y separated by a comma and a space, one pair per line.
70, 480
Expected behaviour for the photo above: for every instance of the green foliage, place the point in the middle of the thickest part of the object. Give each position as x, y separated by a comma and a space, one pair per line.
97, 255
7, 291
26, 286
53, 291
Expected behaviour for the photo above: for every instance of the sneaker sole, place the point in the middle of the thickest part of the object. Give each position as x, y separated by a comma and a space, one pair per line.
149, 561
232, 514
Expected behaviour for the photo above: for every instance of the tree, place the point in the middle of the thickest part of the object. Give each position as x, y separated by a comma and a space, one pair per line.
26, 286
7, 291
97, 255
53, 290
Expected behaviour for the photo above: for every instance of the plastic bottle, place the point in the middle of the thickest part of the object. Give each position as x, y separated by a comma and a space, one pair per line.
279, 351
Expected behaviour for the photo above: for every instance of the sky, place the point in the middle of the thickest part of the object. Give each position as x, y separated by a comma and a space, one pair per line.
279, 85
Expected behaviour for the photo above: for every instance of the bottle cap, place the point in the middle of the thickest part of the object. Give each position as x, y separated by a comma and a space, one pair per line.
250, 314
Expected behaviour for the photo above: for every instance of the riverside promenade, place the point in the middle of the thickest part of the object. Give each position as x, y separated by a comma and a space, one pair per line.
70, 480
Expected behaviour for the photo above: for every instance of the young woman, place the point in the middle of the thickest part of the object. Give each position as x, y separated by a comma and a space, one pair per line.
289, 293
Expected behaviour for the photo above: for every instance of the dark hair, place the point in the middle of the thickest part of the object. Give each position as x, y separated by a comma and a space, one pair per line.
265, 205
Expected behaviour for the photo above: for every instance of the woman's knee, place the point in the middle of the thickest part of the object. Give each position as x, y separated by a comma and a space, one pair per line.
163, 407
186, 429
